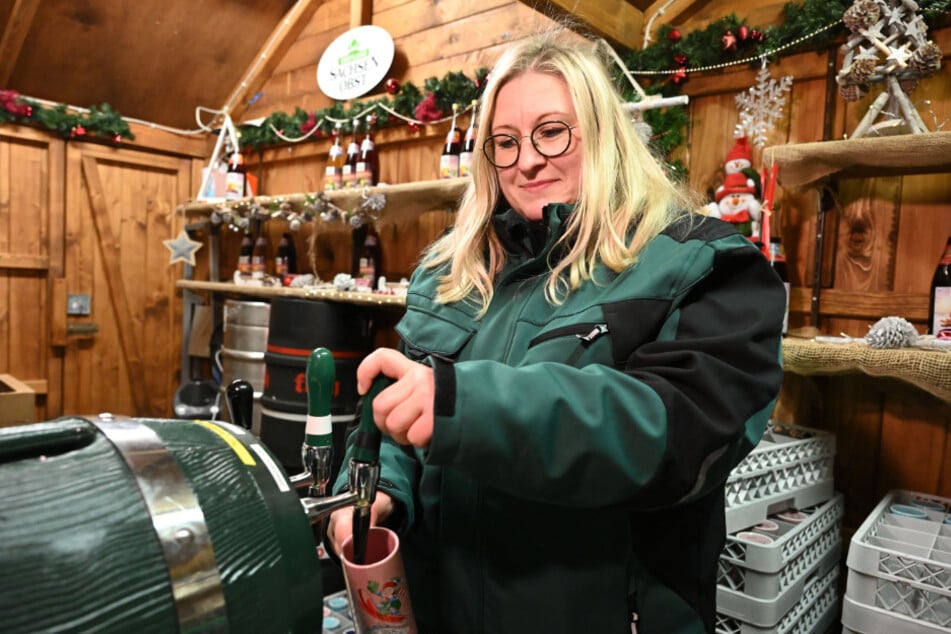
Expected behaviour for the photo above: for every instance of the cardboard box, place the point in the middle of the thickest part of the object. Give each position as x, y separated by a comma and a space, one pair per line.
17, 402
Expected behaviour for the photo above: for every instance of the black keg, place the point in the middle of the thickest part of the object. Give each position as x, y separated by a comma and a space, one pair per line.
296, 327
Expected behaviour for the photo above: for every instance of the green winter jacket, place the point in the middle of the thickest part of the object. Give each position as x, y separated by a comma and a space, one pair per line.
574, 481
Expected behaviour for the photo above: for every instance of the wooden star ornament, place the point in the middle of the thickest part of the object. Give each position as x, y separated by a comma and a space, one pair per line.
182, 249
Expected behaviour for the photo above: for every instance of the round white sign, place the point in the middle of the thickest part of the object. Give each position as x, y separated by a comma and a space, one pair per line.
355, 62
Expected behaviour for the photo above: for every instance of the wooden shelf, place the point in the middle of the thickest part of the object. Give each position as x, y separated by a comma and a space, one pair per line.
401, 200
317, 293
929, 370
801, 164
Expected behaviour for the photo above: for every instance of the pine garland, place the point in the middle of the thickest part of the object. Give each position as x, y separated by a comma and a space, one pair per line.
98, 122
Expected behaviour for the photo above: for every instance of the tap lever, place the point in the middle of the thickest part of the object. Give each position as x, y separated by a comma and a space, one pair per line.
364, 468
240, 398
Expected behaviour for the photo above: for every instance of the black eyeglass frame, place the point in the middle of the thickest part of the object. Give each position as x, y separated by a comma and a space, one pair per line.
531, 137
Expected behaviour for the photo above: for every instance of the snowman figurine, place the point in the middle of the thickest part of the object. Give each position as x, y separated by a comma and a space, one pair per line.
737, 199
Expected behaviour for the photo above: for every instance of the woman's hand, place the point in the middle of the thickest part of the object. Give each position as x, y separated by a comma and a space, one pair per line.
404, 410
340, 522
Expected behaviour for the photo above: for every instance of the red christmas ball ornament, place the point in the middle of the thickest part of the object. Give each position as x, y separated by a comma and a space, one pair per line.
673, 35
78, 131
743, 33
757, 36
729, 41
392, 86
117, 138
413, 126
680, 59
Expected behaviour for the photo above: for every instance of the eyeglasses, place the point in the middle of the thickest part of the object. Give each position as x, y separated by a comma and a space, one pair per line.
549, 138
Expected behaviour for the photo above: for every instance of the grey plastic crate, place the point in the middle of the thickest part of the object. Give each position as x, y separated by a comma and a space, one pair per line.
812, 614
899, 568
791, 467
790, 540
779, 592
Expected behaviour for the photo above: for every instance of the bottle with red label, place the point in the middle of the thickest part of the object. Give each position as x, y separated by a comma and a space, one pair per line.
349, 178
939, 305
368, 162
235, 179
285, 262
333, 173
449, 159
468, 145
244, 255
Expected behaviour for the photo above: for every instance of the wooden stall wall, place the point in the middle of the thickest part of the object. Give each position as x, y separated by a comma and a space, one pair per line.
120, 207
89, 219
31, 261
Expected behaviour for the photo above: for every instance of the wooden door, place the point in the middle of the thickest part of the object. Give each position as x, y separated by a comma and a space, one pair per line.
31, 261
124, 356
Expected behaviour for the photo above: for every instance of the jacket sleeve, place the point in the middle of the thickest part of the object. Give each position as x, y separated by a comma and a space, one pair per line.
665, 423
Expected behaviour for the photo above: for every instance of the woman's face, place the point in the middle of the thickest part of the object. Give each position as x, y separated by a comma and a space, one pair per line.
535, 180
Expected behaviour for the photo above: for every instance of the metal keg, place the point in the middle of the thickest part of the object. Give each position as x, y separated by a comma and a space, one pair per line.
244, 343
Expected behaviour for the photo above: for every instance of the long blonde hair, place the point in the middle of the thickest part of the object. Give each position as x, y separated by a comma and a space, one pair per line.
624, 188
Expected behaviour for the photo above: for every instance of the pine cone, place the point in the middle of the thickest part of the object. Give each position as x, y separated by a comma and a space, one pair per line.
907, 85
853, 92
860, 70
891, 332
861, 15
926, 59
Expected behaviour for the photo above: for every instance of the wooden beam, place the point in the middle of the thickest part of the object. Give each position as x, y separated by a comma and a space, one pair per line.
619, 21
113, 270
361, 12
11, 41
270, 55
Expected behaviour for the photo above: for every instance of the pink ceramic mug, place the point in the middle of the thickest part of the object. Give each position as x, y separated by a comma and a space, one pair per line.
379, 596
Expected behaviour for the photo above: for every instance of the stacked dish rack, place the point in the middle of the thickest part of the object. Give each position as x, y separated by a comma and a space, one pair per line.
779, 569
899, 568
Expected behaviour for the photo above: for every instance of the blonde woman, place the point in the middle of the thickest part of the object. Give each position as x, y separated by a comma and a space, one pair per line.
584, 359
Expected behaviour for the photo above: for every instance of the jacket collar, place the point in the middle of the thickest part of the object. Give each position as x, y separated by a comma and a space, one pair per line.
524, 238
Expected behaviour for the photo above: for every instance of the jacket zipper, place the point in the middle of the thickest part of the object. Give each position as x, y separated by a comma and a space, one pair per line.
587, 333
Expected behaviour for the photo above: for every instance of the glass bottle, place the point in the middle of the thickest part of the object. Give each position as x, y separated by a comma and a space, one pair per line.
777, 258
244, 255
369, 259
350, 164
235, 179
468, 145
259, 256
449, 159
939, 304
368, 163
333, 173
285, 262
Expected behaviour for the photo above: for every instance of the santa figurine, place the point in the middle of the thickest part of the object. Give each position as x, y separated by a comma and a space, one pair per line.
737, 199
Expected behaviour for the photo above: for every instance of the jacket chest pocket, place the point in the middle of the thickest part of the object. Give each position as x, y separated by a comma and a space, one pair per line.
569, 343
427, 334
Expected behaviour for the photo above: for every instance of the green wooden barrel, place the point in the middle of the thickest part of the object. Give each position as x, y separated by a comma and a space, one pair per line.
146, 525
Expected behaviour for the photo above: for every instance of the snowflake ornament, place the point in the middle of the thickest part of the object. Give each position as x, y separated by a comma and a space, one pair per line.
761, 106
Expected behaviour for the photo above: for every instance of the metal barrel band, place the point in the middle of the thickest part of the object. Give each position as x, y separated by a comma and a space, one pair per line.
177, 518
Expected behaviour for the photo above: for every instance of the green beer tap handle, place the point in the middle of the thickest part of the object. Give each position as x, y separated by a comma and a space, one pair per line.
321, 375
366, 440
